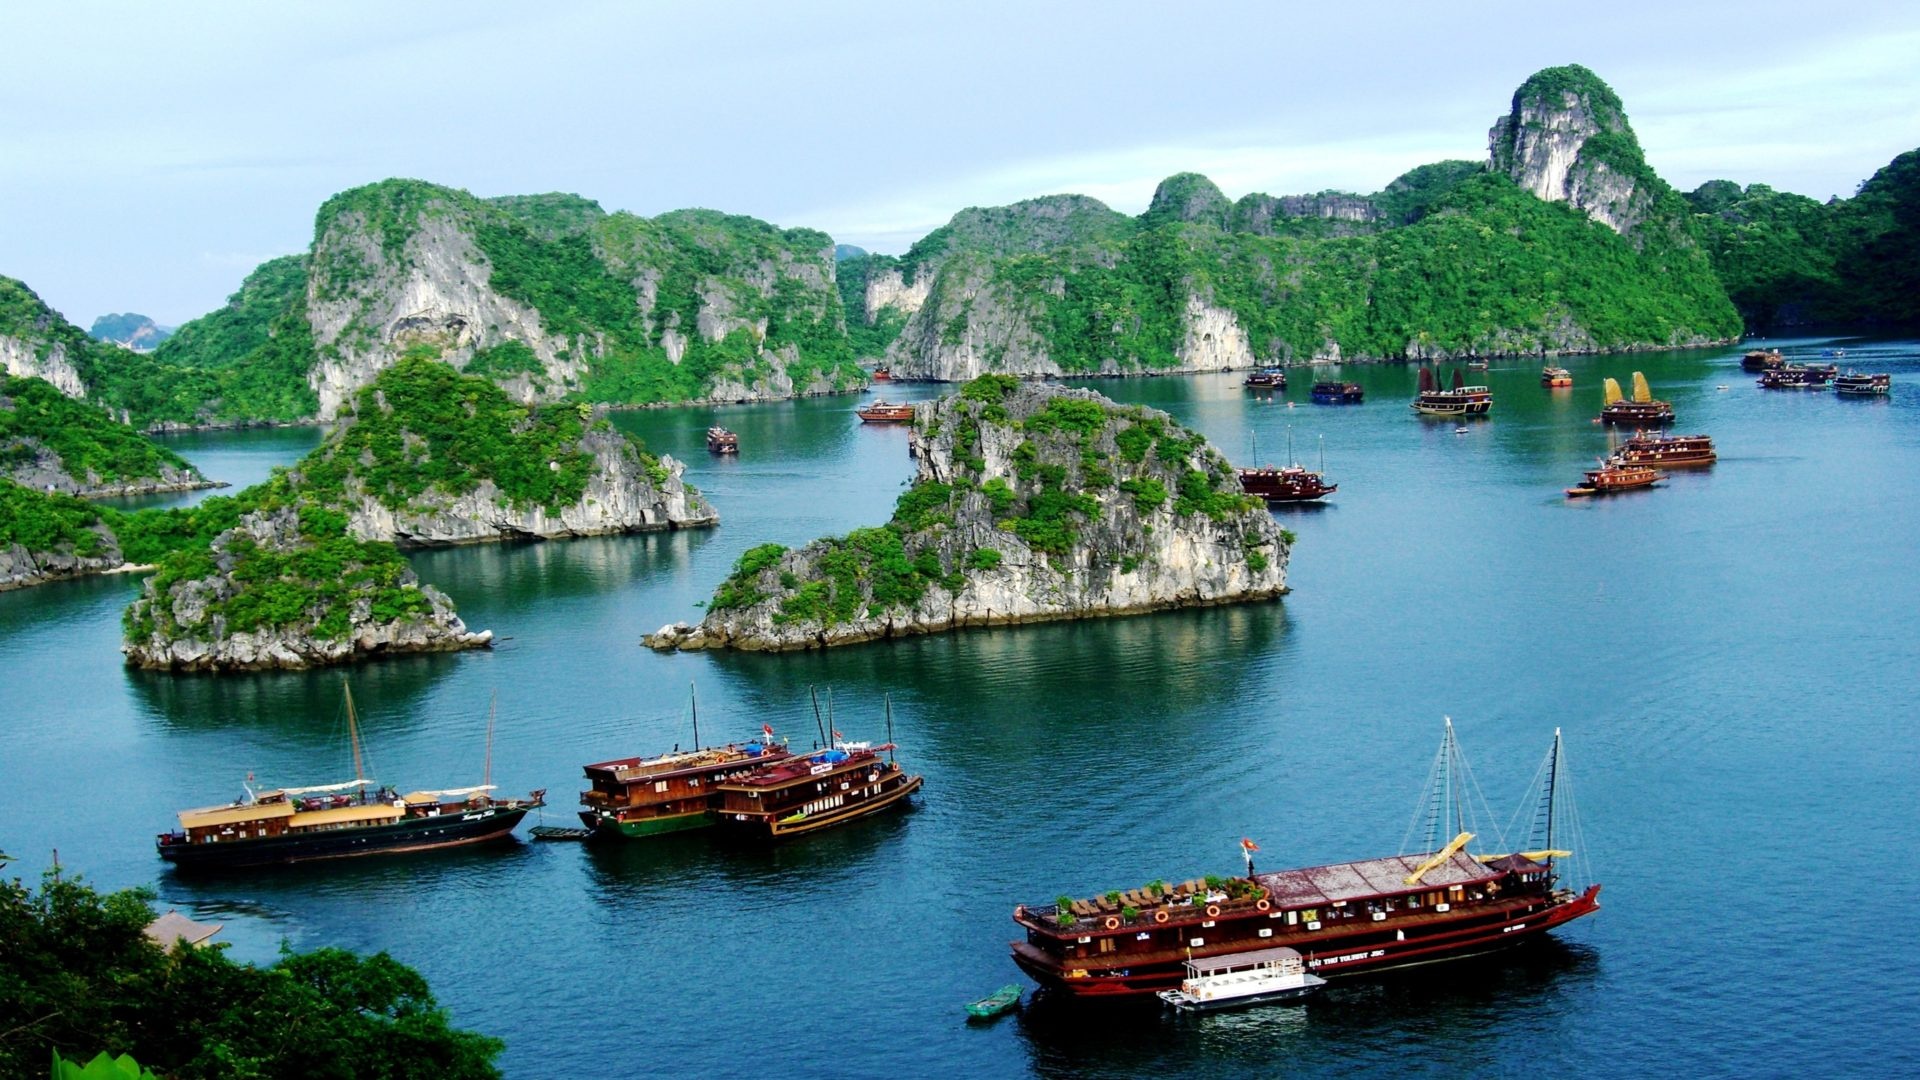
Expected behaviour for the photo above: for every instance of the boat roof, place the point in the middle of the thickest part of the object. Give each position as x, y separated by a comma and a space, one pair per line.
173, 926
436, 796
1318, 885
624, 769
1208, 965
341, 815
802, 767
233, 815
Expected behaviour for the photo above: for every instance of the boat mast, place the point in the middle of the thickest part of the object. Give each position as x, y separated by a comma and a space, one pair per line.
693, 701
1553, 777
493, 708
888, 700
814, 693
353, 736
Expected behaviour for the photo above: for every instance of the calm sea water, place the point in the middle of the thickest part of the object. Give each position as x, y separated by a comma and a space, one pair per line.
1734, 659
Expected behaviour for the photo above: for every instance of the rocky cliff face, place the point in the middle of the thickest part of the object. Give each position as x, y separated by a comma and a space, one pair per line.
129, 328
1566, 139
29, 357
1262, 215
429, 457
889, 289
1030, 503
368, 303
623, 495
228, 610
20, 567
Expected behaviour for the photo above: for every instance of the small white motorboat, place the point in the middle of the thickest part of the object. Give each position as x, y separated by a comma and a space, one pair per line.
1240, 980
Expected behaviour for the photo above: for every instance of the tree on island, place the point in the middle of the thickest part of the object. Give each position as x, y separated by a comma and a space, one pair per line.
79, 976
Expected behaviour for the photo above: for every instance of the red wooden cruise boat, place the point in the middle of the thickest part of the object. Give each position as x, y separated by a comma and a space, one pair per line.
1666, 451
1461, 400
1762, 360
885, 412
1345, 918
1613, 477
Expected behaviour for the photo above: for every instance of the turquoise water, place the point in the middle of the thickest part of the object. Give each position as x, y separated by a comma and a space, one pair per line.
1734, 659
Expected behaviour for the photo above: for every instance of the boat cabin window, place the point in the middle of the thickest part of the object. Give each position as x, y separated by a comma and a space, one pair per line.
660, 785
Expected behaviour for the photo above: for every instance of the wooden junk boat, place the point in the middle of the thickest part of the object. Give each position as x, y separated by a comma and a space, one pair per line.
1612, 477
341, 820
1344, 918
722, 441
1266, 378
1797, 377
807, 793
1339, 393
1555, 377
1856, 384
646, 796
1762, 360
882, 373
1639, 411
1294, 483
885, 412
1666, 451
1461, 400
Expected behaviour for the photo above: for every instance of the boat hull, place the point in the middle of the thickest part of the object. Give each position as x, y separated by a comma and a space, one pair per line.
642, 828
1272, 997
1452, 408
406, 836
1362, 950
780, 829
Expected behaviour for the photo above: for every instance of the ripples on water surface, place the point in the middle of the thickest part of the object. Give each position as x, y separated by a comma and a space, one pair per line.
1733, 659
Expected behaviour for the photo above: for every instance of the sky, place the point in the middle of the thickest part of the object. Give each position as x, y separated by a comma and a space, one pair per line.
152, 154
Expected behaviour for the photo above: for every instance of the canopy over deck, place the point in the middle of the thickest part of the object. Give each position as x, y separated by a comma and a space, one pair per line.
1212, 965
213, 816
1318, 886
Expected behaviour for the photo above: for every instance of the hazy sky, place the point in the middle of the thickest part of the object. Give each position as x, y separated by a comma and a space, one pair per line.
151, 154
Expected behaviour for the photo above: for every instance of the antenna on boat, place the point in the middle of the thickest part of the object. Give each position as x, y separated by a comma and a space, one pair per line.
887, 699
814, 693
493, 707
693, 702
833, 740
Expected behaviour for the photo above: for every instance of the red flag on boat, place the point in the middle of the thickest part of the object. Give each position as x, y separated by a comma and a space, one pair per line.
767, 729
1248, 845
837, 735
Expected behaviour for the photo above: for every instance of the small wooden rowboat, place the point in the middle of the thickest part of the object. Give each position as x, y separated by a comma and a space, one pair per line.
999, 1003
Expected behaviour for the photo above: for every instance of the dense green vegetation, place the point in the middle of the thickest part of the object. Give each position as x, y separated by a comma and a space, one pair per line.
867, 340
48, 522
1486, 267
1788, 260
78, 977
422, 425
1078, 461
34, 414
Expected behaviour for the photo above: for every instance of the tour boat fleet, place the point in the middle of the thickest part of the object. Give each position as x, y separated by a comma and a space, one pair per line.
1343, 918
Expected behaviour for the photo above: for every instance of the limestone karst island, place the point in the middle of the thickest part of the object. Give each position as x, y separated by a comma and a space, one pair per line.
537, 536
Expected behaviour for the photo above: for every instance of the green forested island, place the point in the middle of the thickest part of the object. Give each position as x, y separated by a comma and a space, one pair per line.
1564, 239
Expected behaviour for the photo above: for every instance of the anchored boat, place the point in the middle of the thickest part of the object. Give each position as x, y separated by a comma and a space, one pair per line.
1666, 451
1294, 483
1639, 411
1339, 393
1856, 384
722, 441
999, 1003
1266, 378
1240, 980
1344, 918
807, 793
1555, 378
1762, 360
885, 412
341, 820
638, 797
1461, 400
1797, 377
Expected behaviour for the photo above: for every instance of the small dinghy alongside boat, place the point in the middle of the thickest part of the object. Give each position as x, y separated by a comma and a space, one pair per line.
999, 1003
